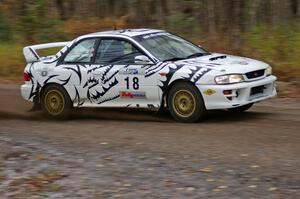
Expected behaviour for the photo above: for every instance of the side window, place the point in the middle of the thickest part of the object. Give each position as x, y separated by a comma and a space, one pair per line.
112, 51
83, 52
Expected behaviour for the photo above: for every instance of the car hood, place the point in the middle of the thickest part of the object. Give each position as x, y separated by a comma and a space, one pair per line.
225, 63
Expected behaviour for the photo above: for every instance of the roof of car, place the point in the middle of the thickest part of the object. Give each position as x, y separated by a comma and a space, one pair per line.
126, 32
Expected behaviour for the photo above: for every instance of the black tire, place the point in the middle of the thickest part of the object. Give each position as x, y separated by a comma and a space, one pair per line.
241, 109
185, 103
56, 103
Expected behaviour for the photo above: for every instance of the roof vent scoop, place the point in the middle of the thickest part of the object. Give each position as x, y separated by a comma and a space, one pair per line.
218, 57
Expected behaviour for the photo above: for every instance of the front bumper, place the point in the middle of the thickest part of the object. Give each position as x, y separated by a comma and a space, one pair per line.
242, 93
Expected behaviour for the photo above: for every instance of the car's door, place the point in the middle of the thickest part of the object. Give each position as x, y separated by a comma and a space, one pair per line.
122, 81
72, 69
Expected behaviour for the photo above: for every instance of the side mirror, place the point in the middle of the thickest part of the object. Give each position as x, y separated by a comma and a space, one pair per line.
142, 59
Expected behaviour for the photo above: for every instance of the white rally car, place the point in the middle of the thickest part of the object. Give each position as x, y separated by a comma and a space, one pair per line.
142, 68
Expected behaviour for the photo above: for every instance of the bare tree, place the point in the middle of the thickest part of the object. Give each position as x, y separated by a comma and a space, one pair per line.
211, 17
61, 9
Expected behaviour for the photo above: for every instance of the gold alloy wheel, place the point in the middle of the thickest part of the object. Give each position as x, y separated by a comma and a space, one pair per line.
54, 102
184, 103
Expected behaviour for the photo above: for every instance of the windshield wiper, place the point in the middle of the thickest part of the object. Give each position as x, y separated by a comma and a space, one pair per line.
197, 55
188, 57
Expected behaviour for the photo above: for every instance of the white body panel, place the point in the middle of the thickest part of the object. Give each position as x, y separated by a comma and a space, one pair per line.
91, 85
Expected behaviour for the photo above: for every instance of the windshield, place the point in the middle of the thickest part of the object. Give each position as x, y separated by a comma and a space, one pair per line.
168, 47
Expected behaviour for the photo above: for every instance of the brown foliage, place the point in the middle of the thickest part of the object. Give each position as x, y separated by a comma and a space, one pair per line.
88, 25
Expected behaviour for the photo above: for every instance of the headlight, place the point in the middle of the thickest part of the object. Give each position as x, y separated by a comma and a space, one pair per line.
229, 79
269, 71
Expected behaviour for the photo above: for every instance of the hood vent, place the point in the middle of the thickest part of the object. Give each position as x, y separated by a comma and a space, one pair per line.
218, 57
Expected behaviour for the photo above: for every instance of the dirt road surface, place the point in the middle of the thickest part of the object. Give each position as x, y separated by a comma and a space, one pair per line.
138, 154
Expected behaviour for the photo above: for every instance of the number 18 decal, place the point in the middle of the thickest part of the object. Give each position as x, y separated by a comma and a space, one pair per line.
135, 83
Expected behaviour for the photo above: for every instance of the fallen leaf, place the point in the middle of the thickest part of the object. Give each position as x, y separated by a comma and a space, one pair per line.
108, 158
205, 170
39, 157
142, 157
252, 186
222, 187
55, 187
210, 180
244, 155
189, 189
272, 189
127, 185
117, 195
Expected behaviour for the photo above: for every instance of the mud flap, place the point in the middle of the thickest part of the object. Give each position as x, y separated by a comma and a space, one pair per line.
35, 107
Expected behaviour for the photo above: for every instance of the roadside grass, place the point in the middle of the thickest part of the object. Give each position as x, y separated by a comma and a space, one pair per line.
279, 46
12, 61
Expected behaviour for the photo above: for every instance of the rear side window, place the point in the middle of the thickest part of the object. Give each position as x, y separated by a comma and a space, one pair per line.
83, 52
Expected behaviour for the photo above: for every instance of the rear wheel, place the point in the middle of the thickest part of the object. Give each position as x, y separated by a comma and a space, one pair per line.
185, 103
241, 108
56, 102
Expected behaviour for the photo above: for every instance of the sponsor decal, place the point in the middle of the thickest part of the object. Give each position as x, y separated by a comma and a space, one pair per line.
209, 92
132, 94
132, 71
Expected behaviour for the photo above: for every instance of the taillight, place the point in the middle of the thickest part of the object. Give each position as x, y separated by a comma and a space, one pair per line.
26, 77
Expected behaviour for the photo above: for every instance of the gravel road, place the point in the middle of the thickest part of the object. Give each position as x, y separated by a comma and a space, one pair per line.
139, 154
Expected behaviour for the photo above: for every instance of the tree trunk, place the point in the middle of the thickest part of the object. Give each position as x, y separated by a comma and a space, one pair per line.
71, 8
252, 13
211, 17
61, 9
298, 9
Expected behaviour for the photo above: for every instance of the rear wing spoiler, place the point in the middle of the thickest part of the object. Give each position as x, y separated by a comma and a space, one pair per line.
31, 55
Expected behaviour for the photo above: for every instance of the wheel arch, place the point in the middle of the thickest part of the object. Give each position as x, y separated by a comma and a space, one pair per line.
42, 89
169, 87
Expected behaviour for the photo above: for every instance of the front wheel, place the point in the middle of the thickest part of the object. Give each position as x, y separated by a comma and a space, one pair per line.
56, 102
185, 103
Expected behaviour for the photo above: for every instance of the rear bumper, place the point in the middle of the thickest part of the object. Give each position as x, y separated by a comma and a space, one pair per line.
214, 98
26, 90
